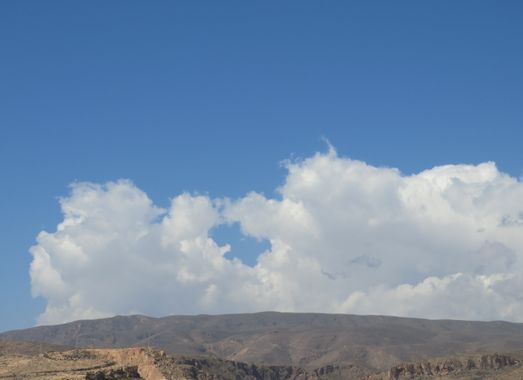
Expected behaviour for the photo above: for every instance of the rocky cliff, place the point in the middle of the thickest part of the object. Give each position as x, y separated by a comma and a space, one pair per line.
450, 367
150, 364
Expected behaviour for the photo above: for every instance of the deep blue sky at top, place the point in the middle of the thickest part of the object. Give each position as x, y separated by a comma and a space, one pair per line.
209, 97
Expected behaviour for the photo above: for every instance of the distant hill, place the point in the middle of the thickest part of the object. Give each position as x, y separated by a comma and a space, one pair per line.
289, 339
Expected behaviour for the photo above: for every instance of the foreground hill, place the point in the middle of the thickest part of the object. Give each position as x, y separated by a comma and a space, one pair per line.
289, 339
149, 364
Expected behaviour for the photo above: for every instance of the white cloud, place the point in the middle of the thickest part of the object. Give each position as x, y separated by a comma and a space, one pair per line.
345, 237
460, 295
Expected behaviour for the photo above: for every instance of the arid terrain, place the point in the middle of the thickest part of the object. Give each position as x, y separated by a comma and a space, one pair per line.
23, 360
26, 361
265, 346
301, 340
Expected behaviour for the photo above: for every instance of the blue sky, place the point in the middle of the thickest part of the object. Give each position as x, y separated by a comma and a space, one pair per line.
209, 97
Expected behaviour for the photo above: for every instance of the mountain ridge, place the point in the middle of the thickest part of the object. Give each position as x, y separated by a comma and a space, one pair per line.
309, 340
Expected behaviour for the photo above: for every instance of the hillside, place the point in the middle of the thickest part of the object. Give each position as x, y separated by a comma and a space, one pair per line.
287, 339
150, 364
147, 364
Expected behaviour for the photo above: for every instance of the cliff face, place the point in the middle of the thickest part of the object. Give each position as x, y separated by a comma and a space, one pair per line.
149, 364
146, 364
124, 373
207, 368
450, 367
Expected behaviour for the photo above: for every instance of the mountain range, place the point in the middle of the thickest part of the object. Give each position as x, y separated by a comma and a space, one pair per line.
305, 340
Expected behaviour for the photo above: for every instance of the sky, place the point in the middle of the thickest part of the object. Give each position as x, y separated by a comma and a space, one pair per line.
225, 156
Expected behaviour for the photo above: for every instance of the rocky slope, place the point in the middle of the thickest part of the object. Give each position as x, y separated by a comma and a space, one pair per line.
145, 363
73, 365
289, 339
149, 364
487, 366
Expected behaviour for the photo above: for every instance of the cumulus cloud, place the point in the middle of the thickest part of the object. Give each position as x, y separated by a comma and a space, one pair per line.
344, 236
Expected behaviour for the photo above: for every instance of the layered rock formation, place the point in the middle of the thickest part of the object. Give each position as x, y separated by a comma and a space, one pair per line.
450, 367
143, 363
150, 364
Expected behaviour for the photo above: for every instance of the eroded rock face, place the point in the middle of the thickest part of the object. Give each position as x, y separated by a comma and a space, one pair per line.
497, 361
124, 373
150, 364
191, 368
140, 357
447, 367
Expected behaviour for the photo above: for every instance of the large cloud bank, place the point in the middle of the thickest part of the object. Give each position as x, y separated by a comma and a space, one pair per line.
344, 236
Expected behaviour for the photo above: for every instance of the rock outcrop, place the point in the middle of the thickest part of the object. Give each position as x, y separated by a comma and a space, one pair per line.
150, 364
447, 367
204, 368
124, 373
